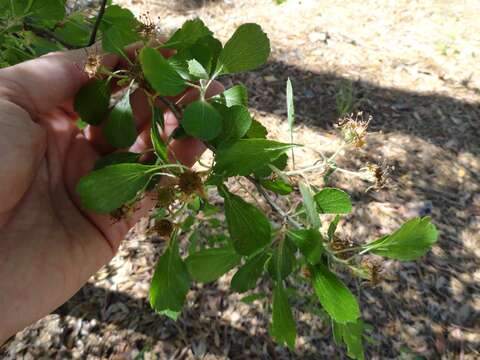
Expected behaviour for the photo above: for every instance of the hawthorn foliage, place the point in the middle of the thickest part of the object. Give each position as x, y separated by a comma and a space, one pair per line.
298, 245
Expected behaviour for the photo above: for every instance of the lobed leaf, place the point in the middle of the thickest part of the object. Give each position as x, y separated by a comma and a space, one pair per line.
410, 242
283, 327
335, 297
92, 101
109, 188
247, 49
161, 75
333, 201
248, 155
209, 264
120, 130
170, 283
249, 228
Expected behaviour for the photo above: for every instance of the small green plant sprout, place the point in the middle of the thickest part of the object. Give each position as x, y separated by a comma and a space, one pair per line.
283, 246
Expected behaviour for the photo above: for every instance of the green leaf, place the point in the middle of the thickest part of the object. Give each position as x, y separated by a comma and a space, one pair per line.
248, 226
410, 242
236, 122
41, 9
170, 314
116, 38
351, 335
117, 16
116, 158
265, 171
333, 201
202, 120
247, 49
158, 144
196, 69
247, 276
257, 130
310, 243
160, 73
283, 327
170, 281
248, 155
209, 264
333, 227
190, 32
283, 260
120, 130
277, 186
236, 95
309, 204
335, 297
74, 30
92, 101
253, 297
109, 188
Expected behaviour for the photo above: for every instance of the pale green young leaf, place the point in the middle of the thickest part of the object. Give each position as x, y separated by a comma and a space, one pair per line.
171, 281
309, 204
236, 95
202, 120
109, 188
197, 70
120, 130
247, 276
249, 228
159, 145
290, 108
410, 242
247, 49
209, 264
283, 327
92, 101
248, 155
310, 243
333, 201
160, 73
117, 158
335, 297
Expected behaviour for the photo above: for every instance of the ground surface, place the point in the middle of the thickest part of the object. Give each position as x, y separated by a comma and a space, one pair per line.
414, 67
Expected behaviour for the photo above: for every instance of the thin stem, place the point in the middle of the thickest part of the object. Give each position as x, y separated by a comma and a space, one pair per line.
93, 35
304, 170
171, 106
273, 205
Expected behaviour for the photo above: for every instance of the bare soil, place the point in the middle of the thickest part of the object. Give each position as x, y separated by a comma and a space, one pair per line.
413, 66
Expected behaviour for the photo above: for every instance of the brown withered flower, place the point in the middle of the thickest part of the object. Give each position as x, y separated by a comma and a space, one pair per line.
92, 64
165, 196
163, 228
190, 182
376, 174
147, 28
373, 269
341, 246
354, 129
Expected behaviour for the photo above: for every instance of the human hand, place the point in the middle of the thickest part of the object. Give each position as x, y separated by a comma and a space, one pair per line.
49, 246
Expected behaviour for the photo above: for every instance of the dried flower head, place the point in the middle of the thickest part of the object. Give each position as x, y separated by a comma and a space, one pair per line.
123, 212
354, 129
377, 174
341, 247
373, 269
165, 196
163, 228
190, 182
92, 64
306, 272
147, 28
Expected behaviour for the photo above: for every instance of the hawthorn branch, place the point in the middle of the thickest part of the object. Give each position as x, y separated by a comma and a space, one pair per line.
93, 35
273, 204
171, 106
